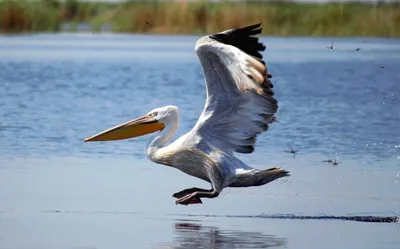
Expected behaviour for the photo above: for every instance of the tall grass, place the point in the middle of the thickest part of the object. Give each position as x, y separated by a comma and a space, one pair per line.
198, 17
21, 16
278, 18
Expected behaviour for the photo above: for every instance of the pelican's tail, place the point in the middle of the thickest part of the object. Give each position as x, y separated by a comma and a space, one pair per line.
258, 178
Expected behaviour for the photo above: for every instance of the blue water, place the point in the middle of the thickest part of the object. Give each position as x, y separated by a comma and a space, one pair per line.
331, 102
57, 90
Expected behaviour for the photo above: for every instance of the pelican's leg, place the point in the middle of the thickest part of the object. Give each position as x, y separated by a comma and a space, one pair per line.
195, 197
188, 191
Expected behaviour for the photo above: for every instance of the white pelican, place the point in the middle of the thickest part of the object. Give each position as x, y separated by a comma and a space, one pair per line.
239, 106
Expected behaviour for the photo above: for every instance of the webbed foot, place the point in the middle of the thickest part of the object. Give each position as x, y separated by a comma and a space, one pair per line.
187, 191
189, 199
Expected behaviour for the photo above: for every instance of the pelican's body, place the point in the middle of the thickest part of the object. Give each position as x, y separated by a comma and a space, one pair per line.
239, 106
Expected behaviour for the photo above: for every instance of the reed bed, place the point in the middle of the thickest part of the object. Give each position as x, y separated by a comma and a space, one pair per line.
199, 17
21, 16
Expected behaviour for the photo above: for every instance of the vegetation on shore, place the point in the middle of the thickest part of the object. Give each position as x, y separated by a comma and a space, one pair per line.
280, 18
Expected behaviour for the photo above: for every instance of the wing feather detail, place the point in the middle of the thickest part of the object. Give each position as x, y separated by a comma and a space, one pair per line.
240, 102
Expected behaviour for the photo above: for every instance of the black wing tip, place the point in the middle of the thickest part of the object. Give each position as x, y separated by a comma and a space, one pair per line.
249, 31
243, 38
252, 29
253, 26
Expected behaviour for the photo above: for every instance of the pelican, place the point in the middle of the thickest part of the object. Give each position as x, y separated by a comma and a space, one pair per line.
239, 106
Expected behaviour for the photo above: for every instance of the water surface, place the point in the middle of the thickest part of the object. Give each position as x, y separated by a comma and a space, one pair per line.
58, 192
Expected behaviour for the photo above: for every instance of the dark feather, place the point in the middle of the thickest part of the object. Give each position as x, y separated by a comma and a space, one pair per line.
243, 39
245, 149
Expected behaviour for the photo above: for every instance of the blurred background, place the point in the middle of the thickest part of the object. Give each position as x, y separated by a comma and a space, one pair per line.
283, 18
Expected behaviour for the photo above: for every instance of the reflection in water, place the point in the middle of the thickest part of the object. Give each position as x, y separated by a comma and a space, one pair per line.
195, 236
360, 218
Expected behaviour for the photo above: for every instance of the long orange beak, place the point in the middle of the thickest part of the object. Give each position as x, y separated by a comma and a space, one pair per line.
134, 128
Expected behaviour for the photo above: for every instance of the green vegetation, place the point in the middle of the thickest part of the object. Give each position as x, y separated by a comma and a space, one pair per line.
197, 17
19, 16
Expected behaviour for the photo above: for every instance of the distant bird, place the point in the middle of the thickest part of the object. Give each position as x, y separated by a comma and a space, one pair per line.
292, 151
149, 23
331, 47
382, 67
334, 161
358, 49
239, 106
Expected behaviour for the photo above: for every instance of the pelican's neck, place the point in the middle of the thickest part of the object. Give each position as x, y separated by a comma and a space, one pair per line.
162, 139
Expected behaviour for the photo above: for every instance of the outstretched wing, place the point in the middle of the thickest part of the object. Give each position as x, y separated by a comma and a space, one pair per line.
240, 102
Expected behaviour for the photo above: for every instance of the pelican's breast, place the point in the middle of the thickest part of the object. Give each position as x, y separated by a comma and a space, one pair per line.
191, 161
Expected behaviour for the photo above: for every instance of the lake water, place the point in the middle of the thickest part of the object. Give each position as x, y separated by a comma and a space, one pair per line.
58, 192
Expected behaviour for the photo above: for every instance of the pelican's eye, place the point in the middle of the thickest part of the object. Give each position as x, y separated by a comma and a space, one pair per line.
153, 114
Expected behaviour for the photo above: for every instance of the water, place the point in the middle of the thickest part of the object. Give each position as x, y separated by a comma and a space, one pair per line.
58, 192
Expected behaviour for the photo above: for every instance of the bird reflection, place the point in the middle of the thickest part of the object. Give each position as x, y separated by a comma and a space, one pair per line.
195, 236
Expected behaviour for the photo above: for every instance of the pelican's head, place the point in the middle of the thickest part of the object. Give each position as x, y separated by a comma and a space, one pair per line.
155, 120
